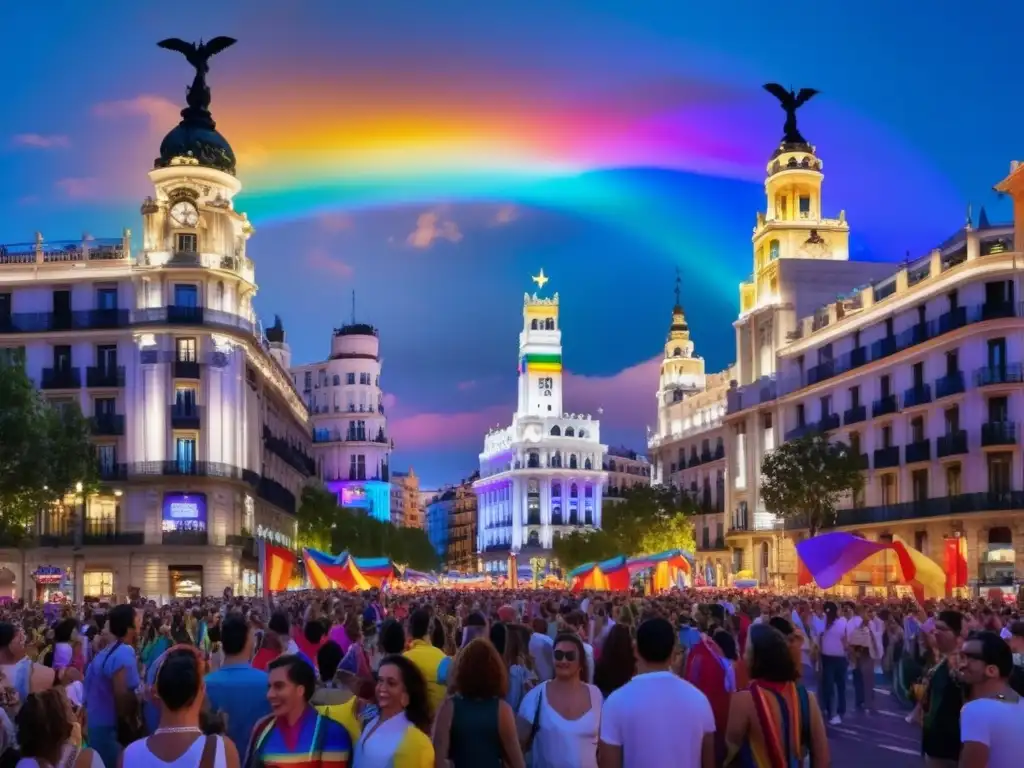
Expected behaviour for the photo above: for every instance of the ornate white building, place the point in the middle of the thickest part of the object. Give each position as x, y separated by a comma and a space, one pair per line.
543, 475
201, 438
350, 437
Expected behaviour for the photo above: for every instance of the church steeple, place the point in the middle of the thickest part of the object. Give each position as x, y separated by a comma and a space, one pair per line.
679, 330
682, 372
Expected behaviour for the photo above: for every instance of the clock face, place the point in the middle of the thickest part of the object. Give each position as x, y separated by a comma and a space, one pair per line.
184, 214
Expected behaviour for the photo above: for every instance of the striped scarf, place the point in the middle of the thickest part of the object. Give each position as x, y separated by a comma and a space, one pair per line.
779, 713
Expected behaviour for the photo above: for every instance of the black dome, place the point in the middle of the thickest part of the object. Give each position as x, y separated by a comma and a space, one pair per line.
196, 136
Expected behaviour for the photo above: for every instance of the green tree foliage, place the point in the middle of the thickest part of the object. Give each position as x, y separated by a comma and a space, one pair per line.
45, 451
648, 520
325, 526
804, 479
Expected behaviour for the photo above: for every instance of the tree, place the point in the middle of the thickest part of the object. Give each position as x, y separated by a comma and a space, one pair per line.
45, 452
325, 526
804, 479
648, 520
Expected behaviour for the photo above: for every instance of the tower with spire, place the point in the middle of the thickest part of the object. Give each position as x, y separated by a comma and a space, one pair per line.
682, 372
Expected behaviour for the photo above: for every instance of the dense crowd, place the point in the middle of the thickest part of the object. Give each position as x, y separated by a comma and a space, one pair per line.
501, 678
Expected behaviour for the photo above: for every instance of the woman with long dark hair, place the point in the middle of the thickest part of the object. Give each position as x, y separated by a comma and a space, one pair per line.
776, 721
397, 737
616, 664
833, 664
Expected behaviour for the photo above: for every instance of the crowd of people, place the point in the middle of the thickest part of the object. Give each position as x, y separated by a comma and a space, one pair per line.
474, 679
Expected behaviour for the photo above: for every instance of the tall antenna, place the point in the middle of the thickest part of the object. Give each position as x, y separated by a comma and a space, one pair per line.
678, 282
353, 306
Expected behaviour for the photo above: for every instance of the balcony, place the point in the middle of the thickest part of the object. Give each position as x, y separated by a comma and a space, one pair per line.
290, 454
187, 369
61, 378
955, 318
999, 374
920, 394
884, 406
950, 384
80, 320
110, 473
918, 451
94, 532
110, 424
966, 503
185, 416
276, 494
998, 433
799, 431
887, 457
705, 456
829, 422
855, 415
186, 538
994, 310
184, 468
104, 376
952, 444
884, 348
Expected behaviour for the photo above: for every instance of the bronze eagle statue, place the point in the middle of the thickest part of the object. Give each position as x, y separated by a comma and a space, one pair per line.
198, 55
791, 101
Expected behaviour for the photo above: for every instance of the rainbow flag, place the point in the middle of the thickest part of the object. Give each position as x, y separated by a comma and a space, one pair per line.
540, 363
345, 571
276, 565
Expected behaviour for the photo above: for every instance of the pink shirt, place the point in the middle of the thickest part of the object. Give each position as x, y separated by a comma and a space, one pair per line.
338, 635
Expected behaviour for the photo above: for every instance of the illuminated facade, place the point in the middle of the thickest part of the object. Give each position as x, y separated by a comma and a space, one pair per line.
626, 469
919, 370
202, 440
543, 475
461, 551
406, 506
350, 436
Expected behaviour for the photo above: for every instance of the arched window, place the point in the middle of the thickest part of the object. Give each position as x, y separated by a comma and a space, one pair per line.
582, 433
533, 540
677, 352
533, 324
336, 380
549, 324
589, 492
773, 250
556, 515
556, 459
573, 491
533, 460
556, 490
555, 431
570, 432
572, 461
588, 464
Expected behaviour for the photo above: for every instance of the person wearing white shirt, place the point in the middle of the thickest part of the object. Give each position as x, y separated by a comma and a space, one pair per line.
834, 664
990, 723
540, 647
657, 719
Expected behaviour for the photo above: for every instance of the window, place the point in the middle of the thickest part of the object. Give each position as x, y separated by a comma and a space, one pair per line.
885, 386
887, 436
350, 378
106, 298
773, 250
5, 307
997, 354
185, 453
185, 351
106, 357
62, 302
918, 376
100, 513
998, 409
999, 469
919, 484
336, 380
952, 362
364, 378
357, 467
307, 381
98, 583
800, 415
952, 417
186, 296
185, 399
106, 456
953, 486
186, 242
855, 443
917, 429
104, 407
826, 406
805, 207
887, 487
62, 357
854, 397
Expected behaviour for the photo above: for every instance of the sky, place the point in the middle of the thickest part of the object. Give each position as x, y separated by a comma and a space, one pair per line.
432, 156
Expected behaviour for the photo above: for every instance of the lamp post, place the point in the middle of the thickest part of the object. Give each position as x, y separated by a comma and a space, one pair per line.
79, 523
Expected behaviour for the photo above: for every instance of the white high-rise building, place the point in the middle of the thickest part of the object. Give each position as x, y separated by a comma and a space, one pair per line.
203, 443
350, 438
543, 475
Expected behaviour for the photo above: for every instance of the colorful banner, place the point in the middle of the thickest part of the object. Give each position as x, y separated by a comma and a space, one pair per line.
276, 566
955, 551
540, 363
615, 574
345, 571
830, 556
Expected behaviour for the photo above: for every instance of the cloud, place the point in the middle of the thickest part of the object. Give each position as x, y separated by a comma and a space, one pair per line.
465, 386
506, 214
319, 260
335, 222
431, 226
79, 188
627, 399
160, 113
41, 141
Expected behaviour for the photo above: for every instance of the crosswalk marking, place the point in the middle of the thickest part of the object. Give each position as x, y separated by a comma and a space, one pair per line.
903, 750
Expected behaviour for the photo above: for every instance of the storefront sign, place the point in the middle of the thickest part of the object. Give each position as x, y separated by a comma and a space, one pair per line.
184, 512
354, 496
48, 574
263, 532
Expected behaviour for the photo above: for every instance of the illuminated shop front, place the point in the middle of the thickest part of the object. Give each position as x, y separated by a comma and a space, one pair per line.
98, 585
53, 583
186, 581
184, 513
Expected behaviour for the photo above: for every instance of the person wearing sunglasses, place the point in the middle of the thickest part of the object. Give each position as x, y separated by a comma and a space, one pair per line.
559, 719
990, 723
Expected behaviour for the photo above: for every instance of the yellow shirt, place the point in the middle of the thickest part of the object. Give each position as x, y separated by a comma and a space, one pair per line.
346, 715
414, 751
434, 665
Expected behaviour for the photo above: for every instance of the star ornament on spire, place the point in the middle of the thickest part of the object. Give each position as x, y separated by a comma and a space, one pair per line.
540, 280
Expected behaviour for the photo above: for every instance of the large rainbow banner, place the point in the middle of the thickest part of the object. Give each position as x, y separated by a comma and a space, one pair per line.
830, 556
615, 574
345, 571
536, 362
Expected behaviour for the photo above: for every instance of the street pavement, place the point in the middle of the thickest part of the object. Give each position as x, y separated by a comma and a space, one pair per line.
882, 739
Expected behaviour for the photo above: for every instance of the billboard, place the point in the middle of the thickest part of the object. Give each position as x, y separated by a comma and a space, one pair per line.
354, 496
184, 512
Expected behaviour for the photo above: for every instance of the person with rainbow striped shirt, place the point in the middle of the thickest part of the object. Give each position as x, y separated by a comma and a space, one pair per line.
295, 735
